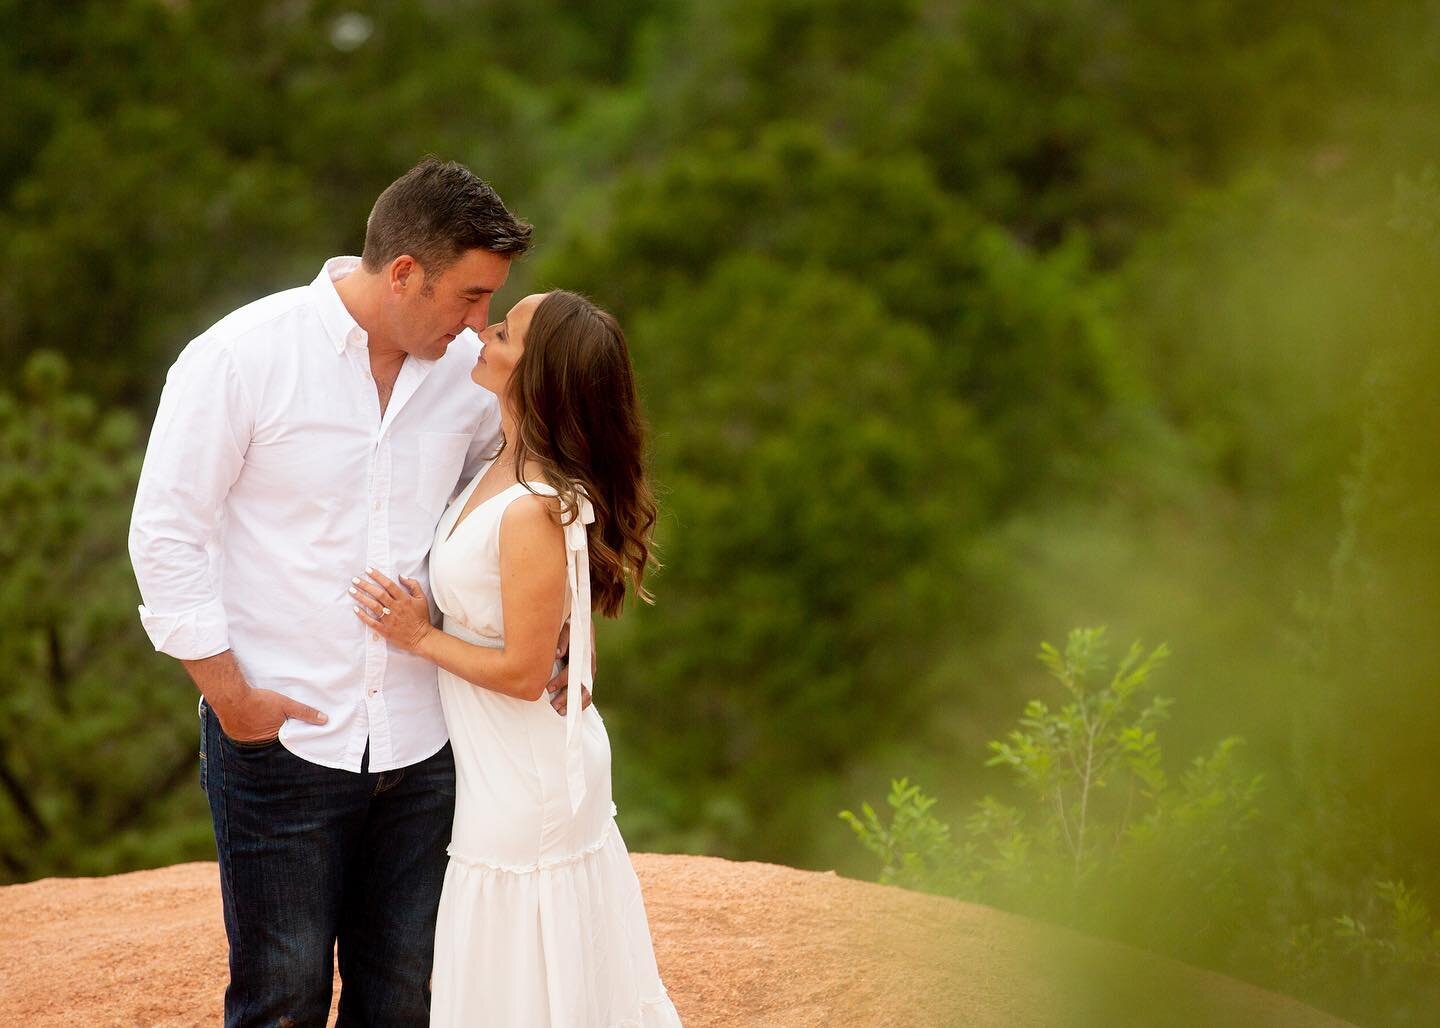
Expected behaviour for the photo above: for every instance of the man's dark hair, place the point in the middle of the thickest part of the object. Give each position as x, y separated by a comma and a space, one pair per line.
435, 212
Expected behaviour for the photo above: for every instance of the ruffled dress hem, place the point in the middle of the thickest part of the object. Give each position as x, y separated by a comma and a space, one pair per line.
563, 943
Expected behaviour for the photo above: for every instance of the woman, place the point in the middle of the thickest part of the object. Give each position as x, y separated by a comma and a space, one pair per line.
541, 920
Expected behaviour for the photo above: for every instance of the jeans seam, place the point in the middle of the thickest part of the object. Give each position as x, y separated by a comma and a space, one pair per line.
223, 817
382, 786
204, 757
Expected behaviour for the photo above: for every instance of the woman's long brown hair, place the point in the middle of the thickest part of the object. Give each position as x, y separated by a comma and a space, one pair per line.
578, 417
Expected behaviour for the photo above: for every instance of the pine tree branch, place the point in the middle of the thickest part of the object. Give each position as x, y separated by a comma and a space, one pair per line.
20, 797
59, 675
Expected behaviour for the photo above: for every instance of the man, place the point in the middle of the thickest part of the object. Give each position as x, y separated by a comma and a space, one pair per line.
302, 439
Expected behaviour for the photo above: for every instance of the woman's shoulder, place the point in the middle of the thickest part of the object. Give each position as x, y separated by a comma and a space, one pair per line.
532, 509
530, 533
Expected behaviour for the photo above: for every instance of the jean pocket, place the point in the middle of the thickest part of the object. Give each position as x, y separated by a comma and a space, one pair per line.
258, 744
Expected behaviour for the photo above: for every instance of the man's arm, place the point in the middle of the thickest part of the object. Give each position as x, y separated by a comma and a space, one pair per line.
195, 453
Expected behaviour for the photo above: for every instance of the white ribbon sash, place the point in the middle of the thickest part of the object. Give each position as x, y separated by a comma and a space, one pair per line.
577, 567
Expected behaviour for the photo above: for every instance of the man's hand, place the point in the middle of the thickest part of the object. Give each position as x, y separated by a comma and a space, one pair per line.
556, 687
246, 714
259, 713
559, 697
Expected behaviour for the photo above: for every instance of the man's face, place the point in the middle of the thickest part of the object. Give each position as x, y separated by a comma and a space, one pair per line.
433, 310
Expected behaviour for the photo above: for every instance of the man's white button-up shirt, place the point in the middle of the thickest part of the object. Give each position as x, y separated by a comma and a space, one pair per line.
271, 479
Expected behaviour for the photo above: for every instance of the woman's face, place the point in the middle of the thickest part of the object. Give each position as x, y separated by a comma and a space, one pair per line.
503, 343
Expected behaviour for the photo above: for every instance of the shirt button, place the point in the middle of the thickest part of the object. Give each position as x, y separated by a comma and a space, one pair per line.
376, 505
374, 692
375, 637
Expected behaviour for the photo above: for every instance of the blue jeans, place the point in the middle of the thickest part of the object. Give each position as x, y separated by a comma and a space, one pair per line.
311, 856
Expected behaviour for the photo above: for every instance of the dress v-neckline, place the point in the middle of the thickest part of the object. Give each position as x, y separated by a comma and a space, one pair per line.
465, 515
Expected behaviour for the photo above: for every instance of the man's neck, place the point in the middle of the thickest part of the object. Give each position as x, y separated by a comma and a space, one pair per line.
360, 292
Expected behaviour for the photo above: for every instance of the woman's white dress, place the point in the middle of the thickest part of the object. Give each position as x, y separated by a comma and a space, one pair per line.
541, 920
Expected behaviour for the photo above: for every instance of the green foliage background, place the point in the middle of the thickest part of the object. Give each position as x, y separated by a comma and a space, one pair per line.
958, 324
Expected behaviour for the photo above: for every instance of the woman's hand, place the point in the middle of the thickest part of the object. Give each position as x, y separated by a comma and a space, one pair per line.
399, 613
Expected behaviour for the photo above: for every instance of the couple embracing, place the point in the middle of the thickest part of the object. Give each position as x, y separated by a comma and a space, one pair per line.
333, 470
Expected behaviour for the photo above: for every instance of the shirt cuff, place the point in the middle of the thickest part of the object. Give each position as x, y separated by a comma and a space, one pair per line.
194, 635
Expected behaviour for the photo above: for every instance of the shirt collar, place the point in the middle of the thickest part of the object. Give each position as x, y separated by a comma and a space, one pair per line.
340, 326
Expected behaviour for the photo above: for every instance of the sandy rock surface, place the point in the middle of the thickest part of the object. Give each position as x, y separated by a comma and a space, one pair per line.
737, 943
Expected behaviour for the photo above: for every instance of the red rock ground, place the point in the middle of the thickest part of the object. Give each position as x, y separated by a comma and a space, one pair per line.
738, 944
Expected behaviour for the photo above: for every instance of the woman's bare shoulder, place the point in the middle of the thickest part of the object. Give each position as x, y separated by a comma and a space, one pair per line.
532, 514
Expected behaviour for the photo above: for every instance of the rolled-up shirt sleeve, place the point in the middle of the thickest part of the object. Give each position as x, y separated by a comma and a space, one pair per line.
196, 451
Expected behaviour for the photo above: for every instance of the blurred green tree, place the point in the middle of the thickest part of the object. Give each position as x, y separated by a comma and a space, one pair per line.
812, 499
97, 758
1023, 339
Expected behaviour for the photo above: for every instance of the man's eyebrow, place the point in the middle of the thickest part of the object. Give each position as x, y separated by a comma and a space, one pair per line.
476, 291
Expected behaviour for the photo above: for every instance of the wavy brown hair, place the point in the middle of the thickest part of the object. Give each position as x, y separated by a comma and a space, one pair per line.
578, 417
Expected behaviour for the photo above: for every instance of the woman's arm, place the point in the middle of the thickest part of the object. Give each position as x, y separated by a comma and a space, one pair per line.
532, 595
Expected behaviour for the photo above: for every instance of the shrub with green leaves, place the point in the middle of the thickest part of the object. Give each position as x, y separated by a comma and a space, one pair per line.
1100, 836
1382, 959
915, 848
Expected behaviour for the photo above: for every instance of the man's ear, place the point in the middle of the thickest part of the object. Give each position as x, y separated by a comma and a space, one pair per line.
402, 270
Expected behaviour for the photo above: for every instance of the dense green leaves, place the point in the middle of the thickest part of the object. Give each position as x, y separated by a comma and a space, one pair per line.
810, 504
1021, 338
956, 323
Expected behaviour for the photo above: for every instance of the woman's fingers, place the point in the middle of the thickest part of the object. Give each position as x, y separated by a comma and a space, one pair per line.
399, 613
365, 594
369, 589
387, 587
378, 592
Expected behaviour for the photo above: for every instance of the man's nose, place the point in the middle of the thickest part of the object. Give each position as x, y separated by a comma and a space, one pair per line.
477, 317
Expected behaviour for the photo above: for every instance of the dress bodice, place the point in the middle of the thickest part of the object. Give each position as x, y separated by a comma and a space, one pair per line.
465, 565
465, 582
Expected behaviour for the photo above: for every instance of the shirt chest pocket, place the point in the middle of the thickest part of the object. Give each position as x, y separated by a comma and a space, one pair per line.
442, 458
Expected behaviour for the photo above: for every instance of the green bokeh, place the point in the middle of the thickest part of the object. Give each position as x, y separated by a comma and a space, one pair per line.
958, 325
